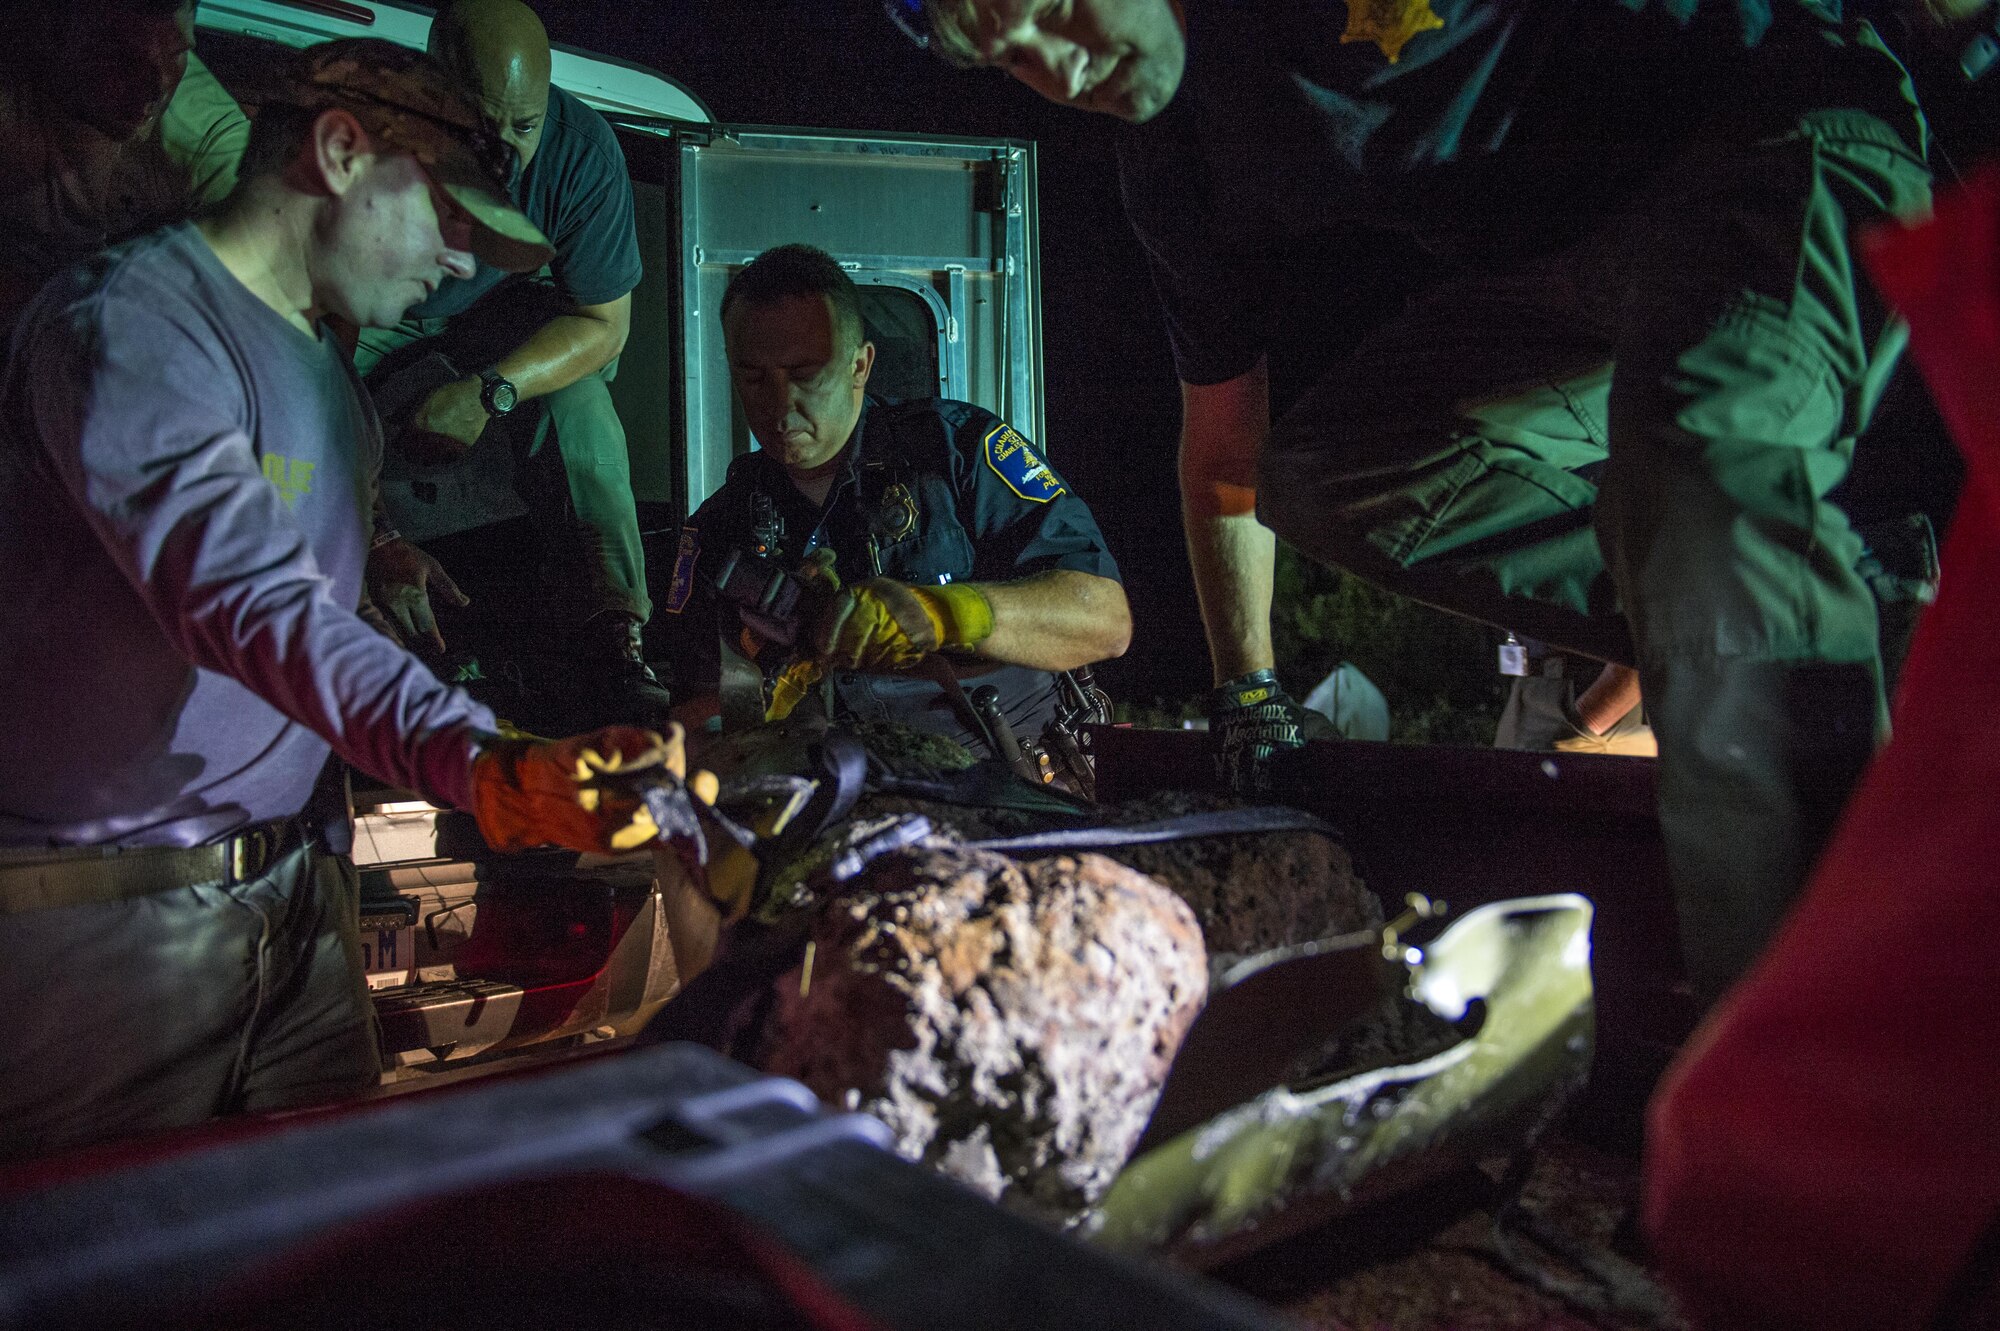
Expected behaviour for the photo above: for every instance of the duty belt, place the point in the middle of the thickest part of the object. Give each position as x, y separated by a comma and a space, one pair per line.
42, 879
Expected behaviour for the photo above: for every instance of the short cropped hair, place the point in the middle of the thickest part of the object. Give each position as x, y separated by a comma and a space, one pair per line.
277, 132
799, 270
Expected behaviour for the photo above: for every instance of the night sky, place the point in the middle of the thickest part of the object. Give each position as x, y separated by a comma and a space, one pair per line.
1112, 404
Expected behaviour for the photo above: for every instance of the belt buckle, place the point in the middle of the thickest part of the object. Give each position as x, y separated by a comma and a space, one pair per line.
250, 853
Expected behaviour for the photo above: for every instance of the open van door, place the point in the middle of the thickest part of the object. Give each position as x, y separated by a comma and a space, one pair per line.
939, 233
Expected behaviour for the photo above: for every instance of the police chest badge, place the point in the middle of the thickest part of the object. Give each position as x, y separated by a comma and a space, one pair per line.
1388, 23
1017, 464
684, 565
895, 517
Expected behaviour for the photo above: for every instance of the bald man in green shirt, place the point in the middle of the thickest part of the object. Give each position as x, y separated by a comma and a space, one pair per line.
533, 358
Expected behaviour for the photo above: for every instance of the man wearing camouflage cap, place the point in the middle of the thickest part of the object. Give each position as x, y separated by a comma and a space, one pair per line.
517, 415
187, 473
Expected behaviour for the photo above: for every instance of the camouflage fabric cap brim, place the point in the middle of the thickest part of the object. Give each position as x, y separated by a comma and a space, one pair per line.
502, 235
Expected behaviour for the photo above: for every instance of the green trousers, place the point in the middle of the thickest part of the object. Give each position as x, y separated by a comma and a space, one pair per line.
1627, 450
578, 493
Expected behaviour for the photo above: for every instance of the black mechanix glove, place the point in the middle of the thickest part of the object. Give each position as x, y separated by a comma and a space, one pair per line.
1251, 718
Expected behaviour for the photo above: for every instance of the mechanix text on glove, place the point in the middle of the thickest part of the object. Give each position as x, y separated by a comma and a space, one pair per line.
1251, 719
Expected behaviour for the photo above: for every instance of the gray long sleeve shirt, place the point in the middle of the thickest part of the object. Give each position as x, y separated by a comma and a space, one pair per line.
185, 487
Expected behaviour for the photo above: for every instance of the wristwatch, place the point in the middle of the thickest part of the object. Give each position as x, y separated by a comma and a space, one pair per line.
497, 393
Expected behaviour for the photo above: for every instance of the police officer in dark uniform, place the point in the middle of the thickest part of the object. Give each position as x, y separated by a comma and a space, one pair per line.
929, 530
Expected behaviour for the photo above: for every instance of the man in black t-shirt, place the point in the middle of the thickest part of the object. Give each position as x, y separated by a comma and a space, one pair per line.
532, 359
1613, 418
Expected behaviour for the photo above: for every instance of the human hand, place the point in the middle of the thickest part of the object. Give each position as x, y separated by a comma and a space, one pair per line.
372, 616
776, 614
447, 424
882, 624
1252, 719
585, 792
400, 580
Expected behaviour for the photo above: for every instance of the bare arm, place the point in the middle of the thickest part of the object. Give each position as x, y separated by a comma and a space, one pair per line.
1613, 693
568, 347
1057, 620
559, 353
1222, 433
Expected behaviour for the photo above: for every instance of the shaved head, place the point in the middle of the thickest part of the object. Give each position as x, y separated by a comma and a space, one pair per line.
499, 53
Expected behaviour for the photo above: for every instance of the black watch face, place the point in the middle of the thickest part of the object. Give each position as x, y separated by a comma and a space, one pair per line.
499, 397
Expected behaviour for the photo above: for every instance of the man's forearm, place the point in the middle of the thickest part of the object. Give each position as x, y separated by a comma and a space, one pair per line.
562, 351
1057, 620
1608, 698
277, 631
559, 353
1232, 554
1233, 557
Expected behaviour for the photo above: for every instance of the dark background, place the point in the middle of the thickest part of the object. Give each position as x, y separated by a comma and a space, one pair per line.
1113, 409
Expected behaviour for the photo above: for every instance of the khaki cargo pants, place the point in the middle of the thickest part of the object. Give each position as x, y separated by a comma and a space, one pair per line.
1627, 451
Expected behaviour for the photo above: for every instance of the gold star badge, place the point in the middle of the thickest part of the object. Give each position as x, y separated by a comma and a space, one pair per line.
1388, 23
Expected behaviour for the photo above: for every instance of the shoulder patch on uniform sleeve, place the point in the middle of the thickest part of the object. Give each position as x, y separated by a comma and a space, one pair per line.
684, 565
1014, 462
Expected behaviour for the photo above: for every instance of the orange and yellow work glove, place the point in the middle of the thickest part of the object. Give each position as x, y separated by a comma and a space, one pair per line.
882, 624
577, 792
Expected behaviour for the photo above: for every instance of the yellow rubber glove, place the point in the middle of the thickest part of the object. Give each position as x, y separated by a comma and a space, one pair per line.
791, 687
574, 792
882, 624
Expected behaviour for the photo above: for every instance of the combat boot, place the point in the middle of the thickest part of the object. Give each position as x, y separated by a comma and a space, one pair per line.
614, 685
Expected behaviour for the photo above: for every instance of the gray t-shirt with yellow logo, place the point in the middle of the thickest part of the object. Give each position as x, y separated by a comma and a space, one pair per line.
186, 481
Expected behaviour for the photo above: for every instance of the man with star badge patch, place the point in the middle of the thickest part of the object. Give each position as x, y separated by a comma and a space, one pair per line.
1613, 414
